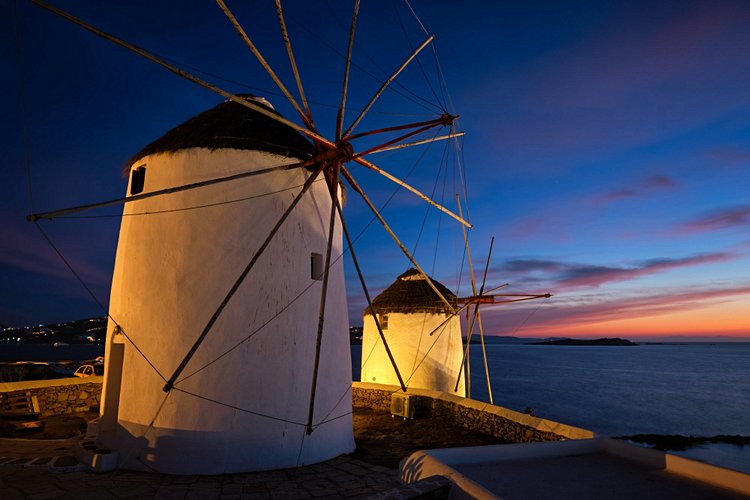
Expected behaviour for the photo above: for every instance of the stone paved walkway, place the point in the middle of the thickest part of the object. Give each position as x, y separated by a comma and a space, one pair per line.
35, 469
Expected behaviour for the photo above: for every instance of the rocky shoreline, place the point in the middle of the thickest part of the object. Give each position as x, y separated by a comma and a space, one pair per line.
676, 442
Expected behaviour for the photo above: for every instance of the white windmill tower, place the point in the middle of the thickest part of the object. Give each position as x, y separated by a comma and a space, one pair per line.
227, 347
422, 333
173, 262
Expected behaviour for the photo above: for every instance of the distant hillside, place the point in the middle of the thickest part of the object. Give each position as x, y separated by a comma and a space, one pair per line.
605, 341
82, 331
504, 339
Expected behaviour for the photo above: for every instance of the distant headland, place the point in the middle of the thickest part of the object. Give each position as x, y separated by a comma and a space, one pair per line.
604, 341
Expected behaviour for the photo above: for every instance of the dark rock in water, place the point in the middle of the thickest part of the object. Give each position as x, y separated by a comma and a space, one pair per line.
676, 442
605, 341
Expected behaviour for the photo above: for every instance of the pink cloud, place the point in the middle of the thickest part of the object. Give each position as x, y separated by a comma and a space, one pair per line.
566, 312
22, 247
565, 276
724, 218
640, 188
659, 181
731, 155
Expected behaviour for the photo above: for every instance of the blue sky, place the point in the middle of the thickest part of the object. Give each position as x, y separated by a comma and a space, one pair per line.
607, 147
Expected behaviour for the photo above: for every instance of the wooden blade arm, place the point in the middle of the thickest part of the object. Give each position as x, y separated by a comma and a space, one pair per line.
484, 355
406, 186
385, 85
307, 118
170, 383
184, 74
444, 119
342, 106
333, 189
466, 245
243, 34
175, 189
350, 243
388, 229
396, 140
419, 143
466, 350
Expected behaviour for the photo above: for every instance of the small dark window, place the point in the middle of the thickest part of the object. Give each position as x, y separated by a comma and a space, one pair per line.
137, 179
316, 266
384, 321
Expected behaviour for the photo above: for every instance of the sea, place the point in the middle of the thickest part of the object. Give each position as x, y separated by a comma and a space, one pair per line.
699, 389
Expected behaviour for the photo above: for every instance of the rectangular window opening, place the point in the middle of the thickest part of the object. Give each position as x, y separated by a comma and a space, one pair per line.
384, 321
137, 179
316, 266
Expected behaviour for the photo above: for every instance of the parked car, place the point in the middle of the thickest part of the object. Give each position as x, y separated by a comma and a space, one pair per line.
88, 370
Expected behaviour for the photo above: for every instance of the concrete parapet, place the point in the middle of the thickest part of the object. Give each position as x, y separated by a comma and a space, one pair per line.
470, 414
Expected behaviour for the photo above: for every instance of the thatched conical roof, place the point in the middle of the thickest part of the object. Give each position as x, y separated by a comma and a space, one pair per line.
411, 293
232, 126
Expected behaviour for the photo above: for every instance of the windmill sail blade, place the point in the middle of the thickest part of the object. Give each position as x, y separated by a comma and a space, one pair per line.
465, 358
473, 290
307, 117
523, 297
161, 192
398, 139
484, 355
497, 287
243, 34
170, 383
333, 188
487, 266
385, 85
444, 119
406, 186
466, 246
342, 107
479, 320
350, 243
388, 229
417, 143
182, 73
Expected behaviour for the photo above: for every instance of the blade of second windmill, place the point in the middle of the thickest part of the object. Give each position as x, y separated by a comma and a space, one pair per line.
484, 354
466, 244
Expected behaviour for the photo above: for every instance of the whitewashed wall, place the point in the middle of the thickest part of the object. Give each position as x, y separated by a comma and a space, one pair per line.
430, 362
172, 270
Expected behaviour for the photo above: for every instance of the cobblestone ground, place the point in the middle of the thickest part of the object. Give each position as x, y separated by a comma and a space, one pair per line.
47, 468
34, 469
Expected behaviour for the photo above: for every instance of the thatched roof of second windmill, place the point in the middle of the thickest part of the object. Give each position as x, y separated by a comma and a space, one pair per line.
230, 125
410, 294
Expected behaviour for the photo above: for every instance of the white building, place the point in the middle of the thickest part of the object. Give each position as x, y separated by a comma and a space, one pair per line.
422, 334
242, 401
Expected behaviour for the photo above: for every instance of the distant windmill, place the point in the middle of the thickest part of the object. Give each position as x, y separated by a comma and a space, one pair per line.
478, 298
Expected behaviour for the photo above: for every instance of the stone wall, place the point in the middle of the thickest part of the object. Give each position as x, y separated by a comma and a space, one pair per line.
60, 396
470, 414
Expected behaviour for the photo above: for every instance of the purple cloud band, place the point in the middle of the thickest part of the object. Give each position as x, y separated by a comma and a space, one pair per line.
570, 275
